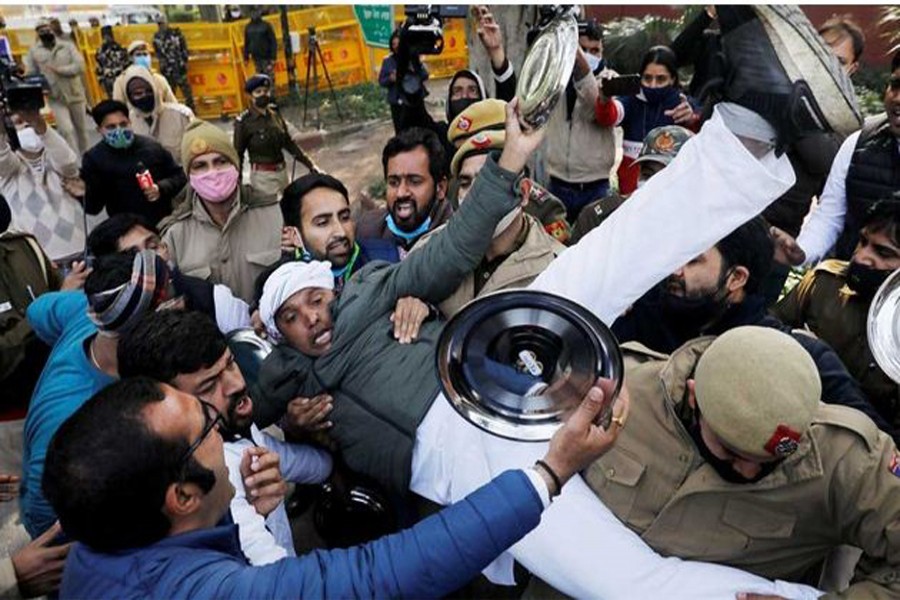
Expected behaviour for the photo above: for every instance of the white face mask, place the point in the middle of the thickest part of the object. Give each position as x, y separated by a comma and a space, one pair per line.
29, 140
593, 61
506, 221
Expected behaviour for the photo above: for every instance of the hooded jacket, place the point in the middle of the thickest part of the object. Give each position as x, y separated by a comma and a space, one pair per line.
160, 81
166, 122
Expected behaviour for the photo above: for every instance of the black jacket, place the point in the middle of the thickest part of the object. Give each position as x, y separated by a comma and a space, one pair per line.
109, 178
647, 324
259, 41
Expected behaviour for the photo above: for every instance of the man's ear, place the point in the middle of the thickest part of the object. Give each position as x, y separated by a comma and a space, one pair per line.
441, 189
691, 394
182, 499
738, 278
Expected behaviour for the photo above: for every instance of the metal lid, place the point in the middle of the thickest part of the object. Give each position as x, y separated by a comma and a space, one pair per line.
883, 326
249, 352
546, 70
513, 362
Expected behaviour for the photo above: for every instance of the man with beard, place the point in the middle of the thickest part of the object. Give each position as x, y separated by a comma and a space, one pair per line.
316, 209
414, 167
833, 301
187, 351
720, 290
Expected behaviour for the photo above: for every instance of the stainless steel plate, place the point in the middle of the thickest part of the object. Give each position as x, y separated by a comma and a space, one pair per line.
883, 326
249, 352
546, 70
513, 362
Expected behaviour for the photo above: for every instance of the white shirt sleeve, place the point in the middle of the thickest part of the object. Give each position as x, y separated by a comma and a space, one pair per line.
257, 542
540, 486
713, 186
231, 312
826, 221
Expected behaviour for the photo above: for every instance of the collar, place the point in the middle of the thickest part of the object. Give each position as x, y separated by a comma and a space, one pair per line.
408, 236
199, 212
348, 268
223, 538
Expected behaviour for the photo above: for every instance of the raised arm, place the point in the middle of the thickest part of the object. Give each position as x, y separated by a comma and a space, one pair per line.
713, 186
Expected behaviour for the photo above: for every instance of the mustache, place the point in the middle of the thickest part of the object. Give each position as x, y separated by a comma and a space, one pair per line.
341, 241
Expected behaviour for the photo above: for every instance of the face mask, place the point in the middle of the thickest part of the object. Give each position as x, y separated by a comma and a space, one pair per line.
119, 138
459, 105
723, 467
407, 235
864, 280
215, 186
659, 95
145, 104
236, 14
143, 61
506, 221
29, 140
691, 315
595, 63
262, 101
48, 39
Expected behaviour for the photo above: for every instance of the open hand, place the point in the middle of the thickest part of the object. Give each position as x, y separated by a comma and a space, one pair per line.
683, 113
39, 566
408, 316
9, 487
306, 415
521, 140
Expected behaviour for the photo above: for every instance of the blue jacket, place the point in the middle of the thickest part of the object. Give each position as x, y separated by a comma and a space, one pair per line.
431, 559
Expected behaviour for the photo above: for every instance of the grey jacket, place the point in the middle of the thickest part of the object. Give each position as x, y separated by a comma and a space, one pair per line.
382, 389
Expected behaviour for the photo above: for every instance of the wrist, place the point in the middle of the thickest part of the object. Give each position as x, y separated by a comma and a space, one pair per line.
498, 59
512, 160
550, 477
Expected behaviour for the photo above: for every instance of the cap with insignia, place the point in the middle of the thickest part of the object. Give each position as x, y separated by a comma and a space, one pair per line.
201, 137
487, 114
137, 45
257, 81
480, 143
662, 144
757, 389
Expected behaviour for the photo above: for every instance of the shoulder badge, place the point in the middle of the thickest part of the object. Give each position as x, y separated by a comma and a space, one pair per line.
784, 441
894, 466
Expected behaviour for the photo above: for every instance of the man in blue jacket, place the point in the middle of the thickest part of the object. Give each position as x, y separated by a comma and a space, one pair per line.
146, 500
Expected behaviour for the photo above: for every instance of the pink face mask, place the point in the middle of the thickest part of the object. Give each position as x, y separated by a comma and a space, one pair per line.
215, 186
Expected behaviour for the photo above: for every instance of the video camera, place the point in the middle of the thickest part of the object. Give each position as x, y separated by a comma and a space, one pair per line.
17, 93
423, 30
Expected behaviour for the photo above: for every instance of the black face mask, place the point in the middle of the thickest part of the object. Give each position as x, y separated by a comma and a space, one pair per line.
145, 104
48, 39
691, 315
459, 105
721, 466
5, 215
262, 101
864, 280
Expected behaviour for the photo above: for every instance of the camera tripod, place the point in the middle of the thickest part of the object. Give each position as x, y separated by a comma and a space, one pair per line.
314, 54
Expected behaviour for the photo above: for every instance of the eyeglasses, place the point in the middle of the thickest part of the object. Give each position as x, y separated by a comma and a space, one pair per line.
212, 419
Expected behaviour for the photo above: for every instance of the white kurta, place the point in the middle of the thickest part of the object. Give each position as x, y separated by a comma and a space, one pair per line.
712, 187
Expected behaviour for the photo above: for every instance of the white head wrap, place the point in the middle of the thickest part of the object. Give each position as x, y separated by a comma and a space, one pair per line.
287, 280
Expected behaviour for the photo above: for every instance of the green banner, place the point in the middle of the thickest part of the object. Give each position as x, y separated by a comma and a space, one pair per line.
377, 22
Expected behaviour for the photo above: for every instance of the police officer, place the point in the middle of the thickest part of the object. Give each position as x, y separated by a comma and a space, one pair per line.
112, 60
263, 133
729, 456
172, 52
660, 146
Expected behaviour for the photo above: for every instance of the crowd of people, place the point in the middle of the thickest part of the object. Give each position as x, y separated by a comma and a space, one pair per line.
752, 448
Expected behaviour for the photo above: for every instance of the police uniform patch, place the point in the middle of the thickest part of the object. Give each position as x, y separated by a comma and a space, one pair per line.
784, 441
894, 466
199, 146
664, 142
464, 124
559, 230
481, 140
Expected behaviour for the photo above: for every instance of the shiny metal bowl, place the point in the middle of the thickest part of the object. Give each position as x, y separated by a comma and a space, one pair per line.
513, 362
546, 70
249, 352
883, 326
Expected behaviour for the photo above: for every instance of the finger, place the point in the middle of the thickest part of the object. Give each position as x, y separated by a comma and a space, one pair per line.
323, 425
271, 490
57, 552
7, 478
588, 410
47, 536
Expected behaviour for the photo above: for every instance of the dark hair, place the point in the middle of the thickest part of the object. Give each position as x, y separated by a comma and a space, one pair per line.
884, 216
591, 29
895, 61
107, 472
107, 107
292, 198
110, 271
750, 246
661, 55
410, 139
166, 343
104, 239
844, 25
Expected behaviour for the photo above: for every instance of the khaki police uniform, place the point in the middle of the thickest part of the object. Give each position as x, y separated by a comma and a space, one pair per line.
841, 486
823, 303
264, 135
